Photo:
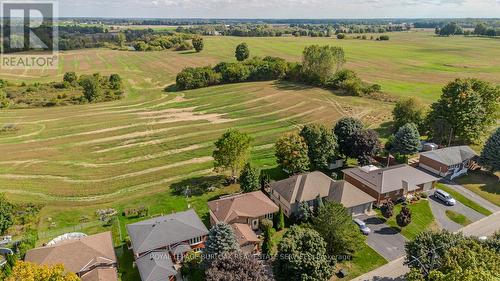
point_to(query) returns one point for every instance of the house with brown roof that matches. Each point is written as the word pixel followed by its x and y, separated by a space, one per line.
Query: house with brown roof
pixel 392 182
pixel 160 244
pixel 92 258
pixel 244 213
pixel 290 192
pixel 448 162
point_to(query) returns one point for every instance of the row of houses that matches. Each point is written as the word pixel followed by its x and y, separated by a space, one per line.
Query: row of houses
pixel 160 244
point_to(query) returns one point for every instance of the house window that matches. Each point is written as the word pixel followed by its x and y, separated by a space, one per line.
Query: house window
pixel 269 216
pixel 195 240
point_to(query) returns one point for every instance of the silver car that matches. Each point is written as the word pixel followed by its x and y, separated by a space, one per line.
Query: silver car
pixel 445 197
pixel 362 226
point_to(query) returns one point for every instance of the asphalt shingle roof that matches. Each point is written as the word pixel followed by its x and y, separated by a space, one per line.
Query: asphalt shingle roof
pixel 155 266
pixel 451 155
pixel 162 231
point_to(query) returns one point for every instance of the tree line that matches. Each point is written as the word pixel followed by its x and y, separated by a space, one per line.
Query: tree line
pixel 321 66
pixel 481 29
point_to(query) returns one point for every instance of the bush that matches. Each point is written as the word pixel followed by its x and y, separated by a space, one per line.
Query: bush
pixel 384 37
pixel 233 72
pixel 341 36
pixel 193 78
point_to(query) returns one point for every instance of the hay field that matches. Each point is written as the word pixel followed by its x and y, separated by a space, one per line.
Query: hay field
pixel 77 159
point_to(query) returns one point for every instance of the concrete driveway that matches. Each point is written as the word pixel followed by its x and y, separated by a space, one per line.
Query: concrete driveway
pixel 384 239
pixel 439 211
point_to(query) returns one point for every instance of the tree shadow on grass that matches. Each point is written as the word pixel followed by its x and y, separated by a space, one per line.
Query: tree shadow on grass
pixel 190 52
pixel 292 86
pixel 488 182
pixel 275 173
pixel 385 129
pixel 171 88
pixel 197 185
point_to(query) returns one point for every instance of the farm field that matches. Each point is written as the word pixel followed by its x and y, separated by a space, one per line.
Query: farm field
pixel 78 159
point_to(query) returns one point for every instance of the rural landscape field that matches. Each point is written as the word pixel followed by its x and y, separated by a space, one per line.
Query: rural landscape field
pixel 123 154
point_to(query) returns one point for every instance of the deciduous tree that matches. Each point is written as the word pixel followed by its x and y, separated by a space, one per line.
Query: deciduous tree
pixel 292 153
pixel 242 52
pixel 365 144
pixel 468 107
pixel 410 110
pixel 320 62
pixel 198 43
pixel 231 152
pixel 335 225
pixel 6 216
pixel 236 266
pixel 344 130
pixel 33 272
pixel 302 256
pixel 321 145
pixel 91 87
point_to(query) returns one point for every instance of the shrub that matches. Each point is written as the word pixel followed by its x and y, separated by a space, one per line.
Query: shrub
pixel 384 37
pixel 193 78
pixel 233 72
pixel 341 36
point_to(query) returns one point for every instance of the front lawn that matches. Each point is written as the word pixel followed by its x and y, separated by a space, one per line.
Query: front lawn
pixel 484 184
pixel 464 200
pixel 458 218
pixel 365 260
pixel 421 219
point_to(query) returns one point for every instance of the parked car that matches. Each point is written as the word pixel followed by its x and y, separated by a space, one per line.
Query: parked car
pixel 362 226
pixel 445 197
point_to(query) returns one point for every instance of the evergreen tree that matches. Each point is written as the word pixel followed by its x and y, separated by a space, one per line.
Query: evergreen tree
pixel 319 204
pixel 279 220
pixel 221 239
pixel 304 212
pixel 267 245
pixel 490 156
pixel 407 140
pixel 249 179
pixel 404 217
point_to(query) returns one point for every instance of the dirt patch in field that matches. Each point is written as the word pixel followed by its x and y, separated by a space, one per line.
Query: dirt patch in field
pixel 183 114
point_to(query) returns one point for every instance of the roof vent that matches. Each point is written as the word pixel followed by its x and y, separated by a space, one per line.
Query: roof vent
pixel 369 168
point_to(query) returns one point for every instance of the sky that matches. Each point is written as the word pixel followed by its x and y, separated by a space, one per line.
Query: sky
pixel 280 8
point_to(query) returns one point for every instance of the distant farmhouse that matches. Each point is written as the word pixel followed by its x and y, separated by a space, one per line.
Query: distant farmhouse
pixel 244 213
pixel 159 244
pixel 449 162
pixel 289 193
pixel 392 182
pixel 92 258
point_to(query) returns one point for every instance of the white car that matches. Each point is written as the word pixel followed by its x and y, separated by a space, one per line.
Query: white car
pixel 362 226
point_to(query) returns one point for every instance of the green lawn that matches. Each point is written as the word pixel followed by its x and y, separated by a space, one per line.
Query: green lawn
pixel 365 260
pixel 464 200
pixel 458 218
pixel 422 219
pixel 484 184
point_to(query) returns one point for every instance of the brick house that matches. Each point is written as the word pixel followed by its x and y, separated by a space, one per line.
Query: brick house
pixel 244 213
pixel 448 162
pixel 391 182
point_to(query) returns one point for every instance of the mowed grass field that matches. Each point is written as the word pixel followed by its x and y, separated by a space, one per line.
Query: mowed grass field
pixel 78 159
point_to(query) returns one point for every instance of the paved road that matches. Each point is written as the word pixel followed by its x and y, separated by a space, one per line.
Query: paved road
pixel 395 270
pixel 384 239
pixel 471 195
pixel 439 211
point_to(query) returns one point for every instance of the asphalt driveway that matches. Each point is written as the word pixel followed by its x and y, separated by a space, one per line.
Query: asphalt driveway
pixel 384 239
pixel 439 211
